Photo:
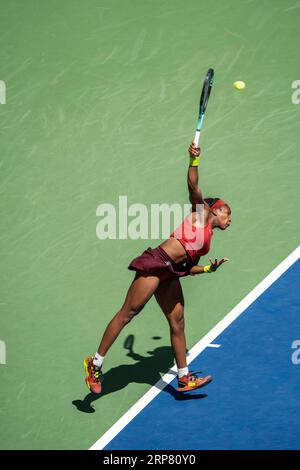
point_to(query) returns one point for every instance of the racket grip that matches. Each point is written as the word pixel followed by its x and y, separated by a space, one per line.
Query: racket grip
pixel 197 138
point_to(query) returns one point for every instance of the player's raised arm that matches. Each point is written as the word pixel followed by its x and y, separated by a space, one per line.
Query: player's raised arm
pixel 195 194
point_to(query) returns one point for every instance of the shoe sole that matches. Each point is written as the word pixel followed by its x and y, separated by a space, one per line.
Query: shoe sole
pixel 86 373
pixel 189 389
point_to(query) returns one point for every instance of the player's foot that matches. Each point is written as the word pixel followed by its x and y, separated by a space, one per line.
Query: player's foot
pixel 191 382
pixel 93 375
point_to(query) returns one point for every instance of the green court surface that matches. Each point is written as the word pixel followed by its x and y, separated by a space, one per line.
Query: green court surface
pixel 101 101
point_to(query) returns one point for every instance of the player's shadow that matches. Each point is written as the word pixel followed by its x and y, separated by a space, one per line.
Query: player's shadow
pixel 145 370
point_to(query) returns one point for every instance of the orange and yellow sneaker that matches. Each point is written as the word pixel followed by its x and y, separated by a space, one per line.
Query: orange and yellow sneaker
pixel 93 375
pixel 192 382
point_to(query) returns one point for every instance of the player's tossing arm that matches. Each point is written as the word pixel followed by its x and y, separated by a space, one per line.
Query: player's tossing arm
pixel 195 194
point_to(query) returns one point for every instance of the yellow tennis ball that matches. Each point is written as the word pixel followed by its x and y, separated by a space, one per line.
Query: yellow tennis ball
pixel 239 85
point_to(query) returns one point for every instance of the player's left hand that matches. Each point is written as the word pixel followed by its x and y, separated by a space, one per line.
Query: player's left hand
pixel 214 265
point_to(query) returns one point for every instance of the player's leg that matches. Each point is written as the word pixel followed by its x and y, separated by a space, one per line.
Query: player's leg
pixel 169 296
pixel 139 292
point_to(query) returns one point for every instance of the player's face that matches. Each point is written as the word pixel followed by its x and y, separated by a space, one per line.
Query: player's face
pixel 224 218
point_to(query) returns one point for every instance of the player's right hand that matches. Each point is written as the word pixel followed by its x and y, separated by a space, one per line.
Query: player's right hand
pixel 193 150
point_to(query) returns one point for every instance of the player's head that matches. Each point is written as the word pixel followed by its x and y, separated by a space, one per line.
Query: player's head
pixel 221 212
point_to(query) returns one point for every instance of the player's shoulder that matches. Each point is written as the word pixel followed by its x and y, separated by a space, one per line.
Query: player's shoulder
pixel 199 216
pixel 200 208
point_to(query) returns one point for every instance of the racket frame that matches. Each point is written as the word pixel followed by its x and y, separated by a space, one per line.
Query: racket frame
pixel 208 82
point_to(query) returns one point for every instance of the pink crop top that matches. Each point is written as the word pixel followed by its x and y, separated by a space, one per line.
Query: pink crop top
pixel 195 240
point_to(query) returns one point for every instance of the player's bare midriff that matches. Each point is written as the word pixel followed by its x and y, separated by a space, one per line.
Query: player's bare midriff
pixel 175 250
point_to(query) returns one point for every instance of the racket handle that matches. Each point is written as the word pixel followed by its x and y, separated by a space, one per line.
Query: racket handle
pixel 197 138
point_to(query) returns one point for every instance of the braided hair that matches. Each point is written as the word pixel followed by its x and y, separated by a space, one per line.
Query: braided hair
pixel 211 200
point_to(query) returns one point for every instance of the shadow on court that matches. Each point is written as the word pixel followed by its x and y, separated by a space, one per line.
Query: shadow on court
pixel 146 370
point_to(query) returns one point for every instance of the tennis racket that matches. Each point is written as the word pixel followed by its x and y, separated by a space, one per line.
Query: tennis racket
pixel 206 89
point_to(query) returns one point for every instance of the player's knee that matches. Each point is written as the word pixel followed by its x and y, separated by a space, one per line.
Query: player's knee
pixel 127 315
pixel 177 323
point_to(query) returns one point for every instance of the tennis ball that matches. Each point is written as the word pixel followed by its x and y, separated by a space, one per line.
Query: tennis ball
pixel 239 85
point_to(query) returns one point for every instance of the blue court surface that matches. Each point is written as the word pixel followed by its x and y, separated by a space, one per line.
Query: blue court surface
pixel 254 400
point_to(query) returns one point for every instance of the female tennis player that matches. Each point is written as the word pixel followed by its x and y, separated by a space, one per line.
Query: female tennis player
pixel 158 272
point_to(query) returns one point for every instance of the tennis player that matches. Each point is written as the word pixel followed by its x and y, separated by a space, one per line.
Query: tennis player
pixel 158 272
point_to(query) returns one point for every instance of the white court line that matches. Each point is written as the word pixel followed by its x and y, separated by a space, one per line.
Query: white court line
pixel 213 345
pixel 197 349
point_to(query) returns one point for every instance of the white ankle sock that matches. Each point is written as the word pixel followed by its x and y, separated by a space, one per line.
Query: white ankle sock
pixel 183 371
pixel 98 360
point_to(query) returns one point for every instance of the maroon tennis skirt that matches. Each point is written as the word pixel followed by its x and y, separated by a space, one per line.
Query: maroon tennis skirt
pixel 156 262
